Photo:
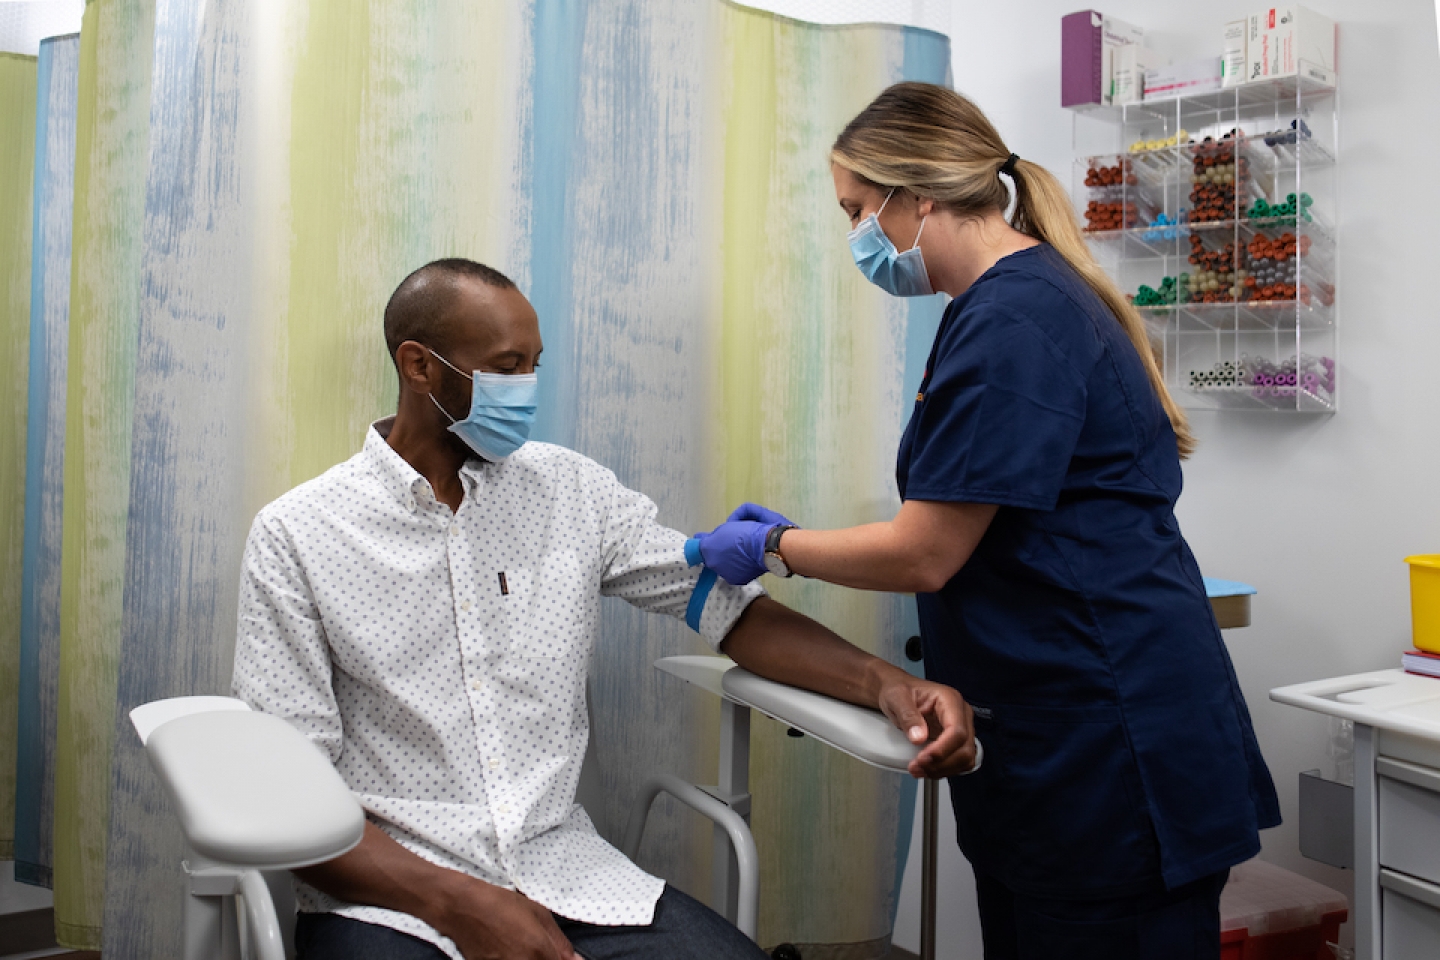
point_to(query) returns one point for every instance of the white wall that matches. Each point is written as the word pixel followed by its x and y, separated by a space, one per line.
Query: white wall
pixel 24 23
pixel 1317 513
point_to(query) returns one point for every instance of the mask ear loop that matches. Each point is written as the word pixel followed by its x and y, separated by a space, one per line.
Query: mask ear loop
pixel 882 205
pixel 917 232
pixel 452 420
pixel 452 366
pixel 916 244
pixel 467 376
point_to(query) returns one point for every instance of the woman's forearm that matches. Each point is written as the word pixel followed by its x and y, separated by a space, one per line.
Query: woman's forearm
pixel 868 557
pixel 917 552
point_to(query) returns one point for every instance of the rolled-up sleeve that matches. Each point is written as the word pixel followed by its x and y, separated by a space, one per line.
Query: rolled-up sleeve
pixel 282 659
pixel 645 565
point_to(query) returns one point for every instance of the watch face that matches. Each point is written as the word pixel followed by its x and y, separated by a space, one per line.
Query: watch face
pixel 776 565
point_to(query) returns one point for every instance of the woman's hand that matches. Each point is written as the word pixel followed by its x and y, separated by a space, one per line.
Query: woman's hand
pixel 753 511
pixel 736 549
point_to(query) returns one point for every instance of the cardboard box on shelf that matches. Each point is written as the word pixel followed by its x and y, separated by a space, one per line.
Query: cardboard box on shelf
pixel 1183 79
pixel 1232 54
pixel 1132 63
pixel 1088 41
pixel 1288 42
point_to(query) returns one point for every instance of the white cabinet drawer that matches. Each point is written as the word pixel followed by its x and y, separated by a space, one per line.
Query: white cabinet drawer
pixel 1409 818
pixel 1410 918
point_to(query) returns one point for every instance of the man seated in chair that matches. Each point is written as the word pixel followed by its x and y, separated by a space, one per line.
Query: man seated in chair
pixel 425 613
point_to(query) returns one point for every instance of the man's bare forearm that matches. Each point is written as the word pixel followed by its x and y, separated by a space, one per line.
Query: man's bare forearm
pixel 381 873
pixel 482 920
pixel 780 644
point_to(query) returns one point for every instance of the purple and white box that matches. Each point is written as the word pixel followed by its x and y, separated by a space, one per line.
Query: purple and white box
pixel 1088 40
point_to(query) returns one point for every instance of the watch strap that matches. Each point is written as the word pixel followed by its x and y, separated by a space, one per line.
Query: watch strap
pixel 774 562
pixel 772 539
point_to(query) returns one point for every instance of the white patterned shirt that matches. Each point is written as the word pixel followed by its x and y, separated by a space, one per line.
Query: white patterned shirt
pixel 440 659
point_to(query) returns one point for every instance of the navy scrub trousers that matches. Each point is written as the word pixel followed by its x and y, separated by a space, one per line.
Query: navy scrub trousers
pixel 1122 774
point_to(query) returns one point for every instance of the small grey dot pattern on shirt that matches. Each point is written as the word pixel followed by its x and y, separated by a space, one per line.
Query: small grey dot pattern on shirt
pixel 450 699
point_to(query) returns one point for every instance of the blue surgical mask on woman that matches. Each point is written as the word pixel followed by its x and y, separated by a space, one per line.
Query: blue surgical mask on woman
pixel 502 408
pixel 898 274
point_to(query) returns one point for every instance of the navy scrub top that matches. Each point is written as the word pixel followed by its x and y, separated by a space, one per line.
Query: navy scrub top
pixel 1119 752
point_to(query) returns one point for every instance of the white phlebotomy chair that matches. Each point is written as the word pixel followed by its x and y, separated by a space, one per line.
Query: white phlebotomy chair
pixel 256 799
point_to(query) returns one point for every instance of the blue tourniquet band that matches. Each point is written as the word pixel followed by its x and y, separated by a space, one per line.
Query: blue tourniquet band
pixel 692 552
pixel 698 598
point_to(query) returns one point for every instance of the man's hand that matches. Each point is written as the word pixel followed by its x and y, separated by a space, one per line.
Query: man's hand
pixel 491 923
pixel 933 714
pixel 485 921
pixel 777 643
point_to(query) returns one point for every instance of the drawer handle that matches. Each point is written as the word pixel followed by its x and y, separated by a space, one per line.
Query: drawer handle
pixel 1425 778
pixel 1406 886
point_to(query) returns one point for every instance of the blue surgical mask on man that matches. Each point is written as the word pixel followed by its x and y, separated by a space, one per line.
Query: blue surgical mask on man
pixel 502 409
pixel 898 274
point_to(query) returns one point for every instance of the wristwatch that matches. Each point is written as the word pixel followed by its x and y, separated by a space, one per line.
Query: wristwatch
pixel 773 561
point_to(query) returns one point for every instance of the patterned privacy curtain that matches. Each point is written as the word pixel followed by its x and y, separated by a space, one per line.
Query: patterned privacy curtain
pixel 17 159
pixel 252 178
pixel 44 460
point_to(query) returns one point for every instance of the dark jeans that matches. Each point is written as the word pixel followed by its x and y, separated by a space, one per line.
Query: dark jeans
pixel 683 929
pixel 1179 924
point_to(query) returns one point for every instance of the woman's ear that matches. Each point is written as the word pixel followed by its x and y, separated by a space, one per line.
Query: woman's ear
pixel 924 206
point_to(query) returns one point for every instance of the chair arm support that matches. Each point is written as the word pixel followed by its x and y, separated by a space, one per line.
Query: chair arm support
pixel 266 940
pixel 746 858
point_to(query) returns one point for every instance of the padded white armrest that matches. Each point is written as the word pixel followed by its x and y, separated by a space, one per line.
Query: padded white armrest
pixel 146 717
pixel 863 733
pixel 251 791
pixel 705 672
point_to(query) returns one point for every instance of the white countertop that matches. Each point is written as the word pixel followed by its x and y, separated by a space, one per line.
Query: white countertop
pixel 1385 699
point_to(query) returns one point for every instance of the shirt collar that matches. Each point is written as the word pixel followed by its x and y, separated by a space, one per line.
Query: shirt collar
pixel 402 480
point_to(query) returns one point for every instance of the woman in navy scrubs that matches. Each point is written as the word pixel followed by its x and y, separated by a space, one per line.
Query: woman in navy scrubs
pixel 1038 477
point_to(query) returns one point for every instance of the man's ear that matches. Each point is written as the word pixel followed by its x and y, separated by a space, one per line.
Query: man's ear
pixel 416 371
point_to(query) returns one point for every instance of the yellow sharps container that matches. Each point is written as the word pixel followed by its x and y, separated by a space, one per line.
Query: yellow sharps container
pixel 1425 600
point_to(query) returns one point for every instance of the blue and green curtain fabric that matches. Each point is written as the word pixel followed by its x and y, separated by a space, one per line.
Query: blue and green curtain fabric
pixel 18 77
pixel 248 181
pixel 44 458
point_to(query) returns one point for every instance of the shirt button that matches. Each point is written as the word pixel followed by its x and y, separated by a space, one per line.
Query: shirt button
pixel 494 763
pixel 502 810
pixel 476 684
pixel 454 531
pixel 465 605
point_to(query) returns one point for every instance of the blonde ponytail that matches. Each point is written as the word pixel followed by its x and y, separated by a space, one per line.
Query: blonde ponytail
pixel 1043 211
pixel 937 144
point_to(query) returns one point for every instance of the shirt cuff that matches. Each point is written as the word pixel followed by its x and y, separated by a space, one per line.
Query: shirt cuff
pixel 722 607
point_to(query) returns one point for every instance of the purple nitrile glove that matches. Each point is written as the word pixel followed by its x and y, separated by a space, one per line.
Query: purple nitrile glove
pixel 735 550
pixel 753 511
